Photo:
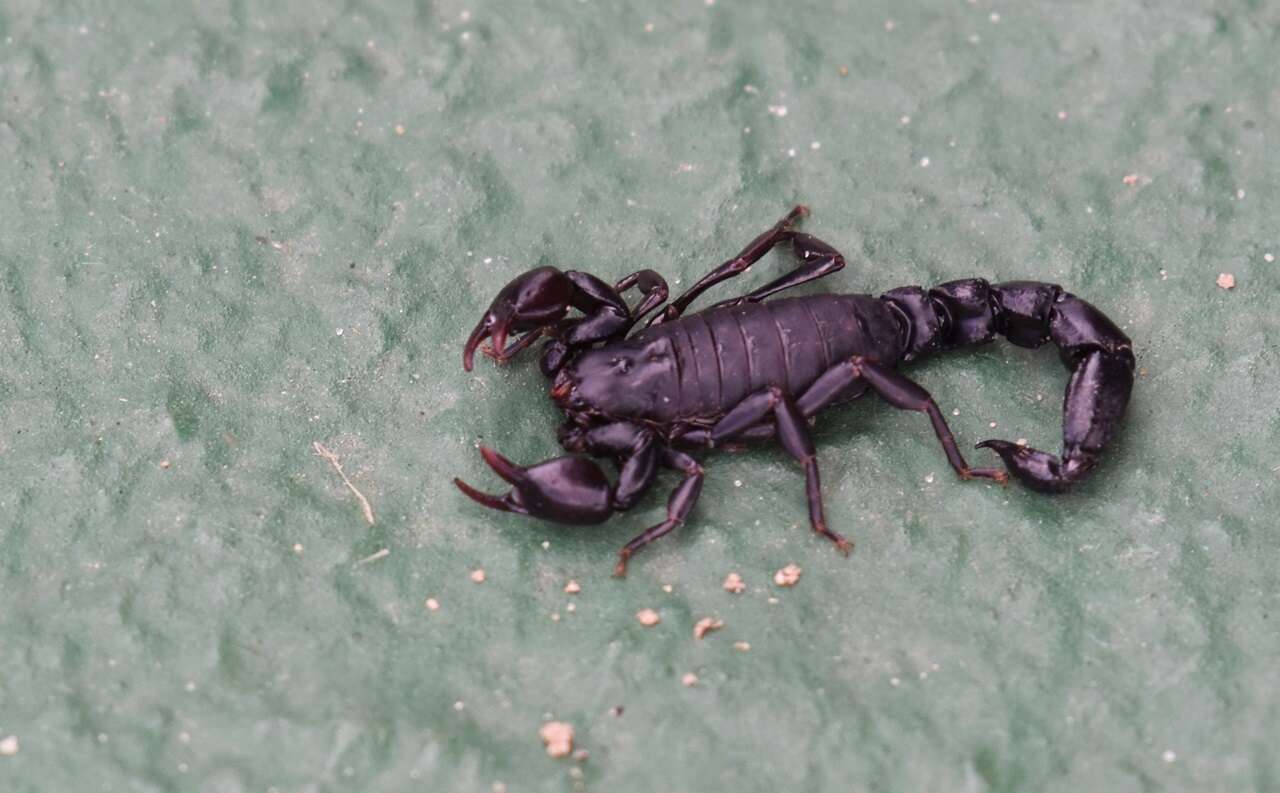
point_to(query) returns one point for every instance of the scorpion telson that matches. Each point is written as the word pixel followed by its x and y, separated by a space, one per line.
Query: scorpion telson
pixel 750 370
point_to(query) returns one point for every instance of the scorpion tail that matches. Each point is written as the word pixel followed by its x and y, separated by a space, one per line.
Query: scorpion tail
pixel 1100 358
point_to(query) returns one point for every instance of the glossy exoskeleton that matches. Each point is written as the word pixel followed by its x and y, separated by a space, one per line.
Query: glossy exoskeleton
pixel 748 370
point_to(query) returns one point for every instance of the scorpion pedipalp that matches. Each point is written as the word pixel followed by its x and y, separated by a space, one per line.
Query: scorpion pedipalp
pixel 564 489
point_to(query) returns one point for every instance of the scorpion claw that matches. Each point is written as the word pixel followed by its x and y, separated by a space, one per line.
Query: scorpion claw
pixel 534 300
pixel 564 489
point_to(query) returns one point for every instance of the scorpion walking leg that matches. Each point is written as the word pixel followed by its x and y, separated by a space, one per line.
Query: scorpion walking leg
pixel 793 433
pixel 678 506
pixel 902 392
pixel 751 254
pixel 817 259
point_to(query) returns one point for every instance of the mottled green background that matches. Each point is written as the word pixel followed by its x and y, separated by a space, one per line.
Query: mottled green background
pixel 228 230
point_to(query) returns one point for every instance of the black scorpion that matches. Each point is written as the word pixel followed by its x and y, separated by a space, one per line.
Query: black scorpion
pixel 747 370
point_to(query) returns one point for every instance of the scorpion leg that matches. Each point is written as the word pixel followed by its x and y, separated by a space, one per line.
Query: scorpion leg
pixel 900 391
pixel 793 433
pixel 749 255
pixel 817 259
pixel 678 506
pixel 652 285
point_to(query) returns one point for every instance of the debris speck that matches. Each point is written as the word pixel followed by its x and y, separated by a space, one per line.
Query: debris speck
pixel 1169 756
pixel 787 576
pixel 477 575
pixel 690 680
pixel 459 706
pixel 750 89
pixel 558 737
pixel 1164 275
pixel 791 152
pixel 365 506
pixel 9 746
pixel 433 604
pixel 648 27
pixel 895 682
pixel 737 483
pixel 742 647
pixel 571 607
pixel 1240 194
pixel 889 25
pixel 992 425
pixel 616 711
pixel 555 617
pixel 382 553
pixel 546 545
pixel 995 18
pixel 297 547
pixel 164 464
pixel 844 71
pixel 648 617
pixel 1020 442
pixel 706 625
pixel 1226 281
pixel 778 110
pixel 1130 179
pixel 815 146
pixel 667 588
pixel 773 601
pixel 905 120
pixel 928 479
pixel 924 162
pixel 399 129
pixel 1062 115
pixel 733 583
pixel 1268 258
pixel 684 167
pixel 974 38
pixel 572 588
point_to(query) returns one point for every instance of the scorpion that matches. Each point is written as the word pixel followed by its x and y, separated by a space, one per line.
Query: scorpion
pixel 747 370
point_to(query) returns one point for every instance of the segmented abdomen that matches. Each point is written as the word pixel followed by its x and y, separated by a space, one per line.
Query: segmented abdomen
pixel 722 355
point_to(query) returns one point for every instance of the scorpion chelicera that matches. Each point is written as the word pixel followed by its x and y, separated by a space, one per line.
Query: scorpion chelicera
pixel 748 370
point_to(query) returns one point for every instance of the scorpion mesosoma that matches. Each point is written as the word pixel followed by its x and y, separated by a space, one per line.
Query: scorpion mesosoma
pixel 749 370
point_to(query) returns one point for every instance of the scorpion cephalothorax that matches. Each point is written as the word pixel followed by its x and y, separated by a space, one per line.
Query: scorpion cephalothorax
pixel 746 369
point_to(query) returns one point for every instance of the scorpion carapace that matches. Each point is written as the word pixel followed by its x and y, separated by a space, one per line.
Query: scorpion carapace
pixel 748 370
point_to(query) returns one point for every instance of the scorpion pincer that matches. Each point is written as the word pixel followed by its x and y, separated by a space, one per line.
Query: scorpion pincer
pixel 747 369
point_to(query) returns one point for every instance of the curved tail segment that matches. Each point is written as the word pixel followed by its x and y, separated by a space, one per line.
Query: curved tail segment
pixel 1101 361
pixel 1030 313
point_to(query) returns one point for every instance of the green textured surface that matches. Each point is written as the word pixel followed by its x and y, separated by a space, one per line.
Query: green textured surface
pixel 195 200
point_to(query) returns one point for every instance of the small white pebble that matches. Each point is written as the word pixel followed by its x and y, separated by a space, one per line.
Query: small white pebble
pixel 191 685
pixel 893 681
pixel 1227 281
pixel 339 331
pixel 1268 258
pixel 778 110
pixel 995 18
pixel 904 120
pixel 1130 179
pixel 399 129
pixel 1169 755
pixel 690 680
pixel 459 705
pixel 546 544
pixel 297 547
pixel 648 617
pixel 992 425
pixel 815 146
pixel 465 16
pixel 1062 115
pixel 956 412
pixel 572 588
pixel 667 588
pixel 555 617
pixel 572 607
pixel 477 575
pixel 742 647
pixel 889 25
pixel 1239 194
pixel 433 604
pixel 1164 275
pixel 924 162
pixel 929 479
pixel 737 483
pixel 791 152
pixel 974 38
pixel 774 601
pixel 9 746
pixel 648 27
pixel 1021 442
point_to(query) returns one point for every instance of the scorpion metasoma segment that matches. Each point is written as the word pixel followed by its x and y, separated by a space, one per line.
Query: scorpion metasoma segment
pixel 748 370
